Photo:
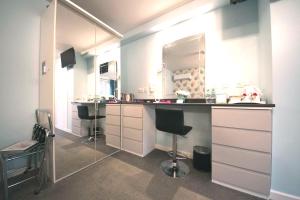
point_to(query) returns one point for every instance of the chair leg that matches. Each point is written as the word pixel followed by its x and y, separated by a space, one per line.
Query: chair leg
pixel 4 177
pixel 174 155
pixel 91 137
pixel 174 167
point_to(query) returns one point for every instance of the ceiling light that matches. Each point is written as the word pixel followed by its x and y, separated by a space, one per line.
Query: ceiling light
pixel 104 25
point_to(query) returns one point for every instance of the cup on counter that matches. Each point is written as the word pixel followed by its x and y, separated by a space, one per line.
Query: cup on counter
pixel 127 97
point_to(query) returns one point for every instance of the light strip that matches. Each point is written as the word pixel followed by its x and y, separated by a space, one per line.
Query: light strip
pixel 94 18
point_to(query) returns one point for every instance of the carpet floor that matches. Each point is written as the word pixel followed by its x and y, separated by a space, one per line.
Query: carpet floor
pixel 124 176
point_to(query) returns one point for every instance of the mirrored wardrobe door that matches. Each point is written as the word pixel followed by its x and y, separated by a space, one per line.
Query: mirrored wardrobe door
pixel 74 92
pixel 108 122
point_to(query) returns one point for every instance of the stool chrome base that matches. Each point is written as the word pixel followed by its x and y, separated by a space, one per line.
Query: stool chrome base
pixel 180 169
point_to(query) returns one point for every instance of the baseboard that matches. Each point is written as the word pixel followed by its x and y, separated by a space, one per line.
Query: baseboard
pixel 276 195
pixel 181 153
pixel 240 189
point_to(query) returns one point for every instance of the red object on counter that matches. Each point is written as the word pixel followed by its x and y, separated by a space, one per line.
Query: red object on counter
pixel 165 101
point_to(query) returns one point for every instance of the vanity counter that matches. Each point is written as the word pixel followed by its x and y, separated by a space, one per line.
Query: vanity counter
pixel 200 104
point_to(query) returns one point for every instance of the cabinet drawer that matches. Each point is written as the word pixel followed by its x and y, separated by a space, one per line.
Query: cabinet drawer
pixel 245 139
pixel 113 140
pixel 75 115
pixel 74 107
pixel 113 110
pixel 80 131
pixel 255 182
pixel 132 146
pixel 132 110
pixel 76 130
pixel 242 118
pixel 255 161
pixel 76 122
pixel 113 120
pixel 133 134
pixel 132 122
pixel 112 130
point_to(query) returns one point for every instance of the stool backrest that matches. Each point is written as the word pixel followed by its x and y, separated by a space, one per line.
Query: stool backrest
pixel 83 112
pixel 171 121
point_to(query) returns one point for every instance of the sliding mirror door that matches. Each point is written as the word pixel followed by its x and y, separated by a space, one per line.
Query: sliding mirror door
pixel 106 68
pixel 87 77
pixel 74 92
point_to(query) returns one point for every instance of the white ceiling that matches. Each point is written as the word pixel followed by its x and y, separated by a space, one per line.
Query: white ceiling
pixel 124 15
pixel 74 30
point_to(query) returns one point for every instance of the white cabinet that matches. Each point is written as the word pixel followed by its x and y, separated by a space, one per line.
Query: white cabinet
pixel 113 125
pixel 79 127
pixel 138 129
pixel 241 148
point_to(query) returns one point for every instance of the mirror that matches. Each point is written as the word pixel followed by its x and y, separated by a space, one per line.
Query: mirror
pixel 73 151
pixel 107 61
pixel 184 67
pixel 82 47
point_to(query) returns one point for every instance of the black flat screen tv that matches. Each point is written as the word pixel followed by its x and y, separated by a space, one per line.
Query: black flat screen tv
pixel 68 58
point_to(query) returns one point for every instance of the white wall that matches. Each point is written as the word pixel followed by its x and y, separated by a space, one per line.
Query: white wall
pixel 285 18
pixel 265 49
pixel 19 72
pixel 232 55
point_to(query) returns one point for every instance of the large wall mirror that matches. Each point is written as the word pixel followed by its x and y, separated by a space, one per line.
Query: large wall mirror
pixel 87 58
pixel 184 67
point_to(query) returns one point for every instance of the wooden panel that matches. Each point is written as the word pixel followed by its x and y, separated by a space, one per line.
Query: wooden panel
pixel 113 110
pixel 243 118
pixel 113 140
pixel 133 146
pixel 132 122
pixel 113 130
pixel 255 182
pixel 251 160
pixel 246 139
pixel 113 120
pixel 133 134
pixel 132 110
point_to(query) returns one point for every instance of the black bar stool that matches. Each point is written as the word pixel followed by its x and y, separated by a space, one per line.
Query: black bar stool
pixel 172 121
pixel 83 113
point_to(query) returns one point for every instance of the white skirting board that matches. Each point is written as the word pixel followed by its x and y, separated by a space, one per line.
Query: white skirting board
pixel 276 195
pixel 240 189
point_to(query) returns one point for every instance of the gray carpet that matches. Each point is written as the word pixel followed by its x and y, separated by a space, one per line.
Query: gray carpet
pixel 73 153
pixel 128 177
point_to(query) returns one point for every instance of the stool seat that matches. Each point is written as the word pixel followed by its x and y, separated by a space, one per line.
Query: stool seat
pixel 186 129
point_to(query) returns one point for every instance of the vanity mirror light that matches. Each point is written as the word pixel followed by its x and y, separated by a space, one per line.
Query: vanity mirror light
pixel 184 67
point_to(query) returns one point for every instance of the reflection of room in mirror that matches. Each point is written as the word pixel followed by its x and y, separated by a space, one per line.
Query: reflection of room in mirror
pixel 79 122
pixel 194 83
pixel 184 62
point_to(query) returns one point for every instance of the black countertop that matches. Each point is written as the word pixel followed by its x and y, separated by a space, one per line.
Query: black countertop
pixel 199 104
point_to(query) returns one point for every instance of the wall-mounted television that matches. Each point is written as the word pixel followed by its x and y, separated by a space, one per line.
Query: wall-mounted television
pixel 68 58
